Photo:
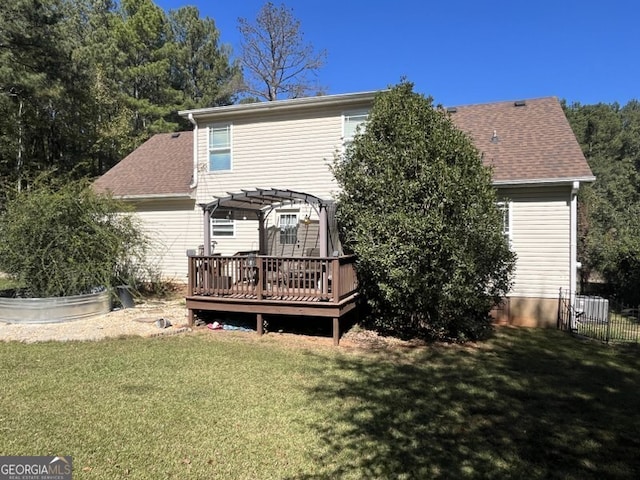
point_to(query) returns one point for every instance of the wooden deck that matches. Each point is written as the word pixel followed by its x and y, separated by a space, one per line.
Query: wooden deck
pixel 268 285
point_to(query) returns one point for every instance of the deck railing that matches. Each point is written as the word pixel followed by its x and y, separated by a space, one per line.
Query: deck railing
pixel 271 277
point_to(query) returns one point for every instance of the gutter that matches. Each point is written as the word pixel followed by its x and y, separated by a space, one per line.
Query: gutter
pixel 155 196
pixel 343 100
pixel 194 179
pixel 540 182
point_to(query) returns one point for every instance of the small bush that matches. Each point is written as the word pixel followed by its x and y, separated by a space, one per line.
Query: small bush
pixel 61 240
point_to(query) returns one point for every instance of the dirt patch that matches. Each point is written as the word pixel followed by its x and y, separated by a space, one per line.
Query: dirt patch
pixel 148 318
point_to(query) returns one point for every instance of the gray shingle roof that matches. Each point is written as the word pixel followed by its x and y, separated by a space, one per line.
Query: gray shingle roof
pixel 532 142
pixel 163 165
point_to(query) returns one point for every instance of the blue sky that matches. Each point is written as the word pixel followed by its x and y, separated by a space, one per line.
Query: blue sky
pixel 464 51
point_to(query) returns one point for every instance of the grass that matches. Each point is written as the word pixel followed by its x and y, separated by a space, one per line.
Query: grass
pixel 620 328
pixel 527 404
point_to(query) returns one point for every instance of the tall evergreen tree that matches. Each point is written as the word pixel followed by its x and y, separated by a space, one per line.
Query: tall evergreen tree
pixel 34 74
pixel 144 66
pixel 84 82
pixel 200 67
pixel 610 208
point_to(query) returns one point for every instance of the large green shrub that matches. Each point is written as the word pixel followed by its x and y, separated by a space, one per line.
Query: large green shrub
pixel 60 240
pixel 419 210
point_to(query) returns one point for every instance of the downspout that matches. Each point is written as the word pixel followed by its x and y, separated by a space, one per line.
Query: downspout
pixel 194 180
pixel 573 247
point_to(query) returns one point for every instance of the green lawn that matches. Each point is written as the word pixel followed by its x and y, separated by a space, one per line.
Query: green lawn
pixel 527 404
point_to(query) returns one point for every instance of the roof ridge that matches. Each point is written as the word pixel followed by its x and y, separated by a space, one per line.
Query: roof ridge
pixel 500 102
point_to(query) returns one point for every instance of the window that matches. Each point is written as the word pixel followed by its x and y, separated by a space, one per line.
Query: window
pixel 288 228
pixel 505 208
pixel 223 227
pixel 220 147
pixel 351 122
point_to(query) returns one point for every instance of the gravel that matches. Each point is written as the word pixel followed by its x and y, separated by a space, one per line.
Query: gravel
pixel 138 321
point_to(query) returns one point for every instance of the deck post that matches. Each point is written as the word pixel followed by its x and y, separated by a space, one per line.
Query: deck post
pixel 336 331
pixel 336 284
pixel 191 317
pixel 259 324
pixel 260 281
pixel 191 275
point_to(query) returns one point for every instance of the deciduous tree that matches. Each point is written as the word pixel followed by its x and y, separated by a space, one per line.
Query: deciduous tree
pixel 275 57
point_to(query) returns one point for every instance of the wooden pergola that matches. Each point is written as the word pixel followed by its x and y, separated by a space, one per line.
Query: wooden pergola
pixel 324 286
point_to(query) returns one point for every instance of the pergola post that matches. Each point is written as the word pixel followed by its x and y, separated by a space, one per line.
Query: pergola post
pixel 262 237
pixel 324 243
pixel 324 231
pixel 207 232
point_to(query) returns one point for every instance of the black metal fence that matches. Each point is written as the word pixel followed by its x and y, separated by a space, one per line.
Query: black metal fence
pixel 598 317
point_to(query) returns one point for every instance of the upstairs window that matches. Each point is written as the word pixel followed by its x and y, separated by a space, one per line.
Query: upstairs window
pixel 351 122
pixel 220 147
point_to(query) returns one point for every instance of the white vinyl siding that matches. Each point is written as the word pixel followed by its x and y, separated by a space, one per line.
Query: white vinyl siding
pixel 295 151
pixel 173 228
pixel 540 237
pixel 291 151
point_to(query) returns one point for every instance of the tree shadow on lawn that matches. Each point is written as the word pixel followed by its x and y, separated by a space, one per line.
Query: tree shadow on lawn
pixel 527 404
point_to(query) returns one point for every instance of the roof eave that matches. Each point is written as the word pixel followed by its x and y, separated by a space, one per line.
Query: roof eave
pixel 156 196
pixel 281 105
pixel 540 182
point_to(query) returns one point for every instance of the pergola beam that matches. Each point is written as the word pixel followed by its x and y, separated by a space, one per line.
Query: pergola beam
pixel 261 201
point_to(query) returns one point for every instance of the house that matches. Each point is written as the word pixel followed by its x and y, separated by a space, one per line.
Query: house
pixel 255 179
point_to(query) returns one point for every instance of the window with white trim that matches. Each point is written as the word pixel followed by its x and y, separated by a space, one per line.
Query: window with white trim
pixel 288 223
pixel 220 147
pixel 351 122
pixel 505 208
pixel 223 227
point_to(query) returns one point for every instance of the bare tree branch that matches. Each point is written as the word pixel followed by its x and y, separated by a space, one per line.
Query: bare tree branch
pixel 275 58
